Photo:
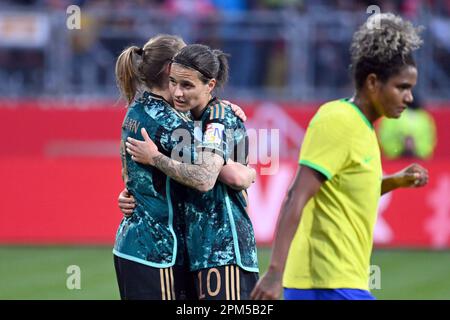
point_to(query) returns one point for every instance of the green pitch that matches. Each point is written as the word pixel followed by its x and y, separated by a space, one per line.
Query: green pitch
pixel 40 273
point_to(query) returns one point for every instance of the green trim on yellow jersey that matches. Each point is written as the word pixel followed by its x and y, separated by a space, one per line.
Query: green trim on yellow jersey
pixel 322 170
pixel 333 242
pixel 359 112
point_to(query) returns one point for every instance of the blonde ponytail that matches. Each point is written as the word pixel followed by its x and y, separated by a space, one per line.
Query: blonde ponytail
pixel 127 72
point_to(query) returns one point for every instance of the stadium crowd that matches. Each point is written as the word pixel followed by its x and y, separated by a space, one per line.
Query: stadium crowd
pixel 258 59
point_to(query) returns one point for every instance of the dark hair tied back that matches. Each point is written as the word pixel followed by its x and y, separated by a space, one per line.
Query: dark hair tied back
pixel 209 63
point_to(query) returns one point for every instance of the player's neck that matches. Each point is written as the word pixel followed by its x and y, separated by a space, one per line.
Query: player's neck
pixel 198 111
pixel 366 107
pixel 165 93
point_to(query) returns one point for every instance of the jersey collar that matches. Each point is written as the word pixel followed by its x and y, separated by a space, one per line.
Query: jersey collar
pixel 358 110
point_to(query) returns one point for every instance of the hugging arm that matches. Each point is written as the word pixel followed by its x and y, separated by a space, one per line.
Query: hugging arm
pixel 201 176
pixel 237 176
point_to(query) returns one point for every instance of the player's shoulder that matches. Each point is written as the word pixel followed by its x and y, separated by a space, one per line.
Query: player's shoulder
pixel 216 110
pixel 221 112
pixel 336 109
pixel 152 104
pixel 160 110
pixel 334 113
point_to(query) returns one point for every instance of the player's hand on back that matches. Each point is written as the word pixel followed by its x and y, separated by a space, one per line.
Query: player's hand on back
pixel 142 151
pixel 236 109
pixel 412 176
pixel 127 203
pixel 268 287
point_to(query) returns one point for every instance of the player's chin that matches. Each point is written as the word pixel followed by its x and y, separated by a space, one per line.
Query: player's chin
pixel 183 107
pixel 394 114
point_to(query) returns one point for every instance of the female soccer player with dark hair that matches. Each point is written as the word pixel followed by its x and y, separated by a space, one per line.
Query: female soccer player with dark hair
pixel 149 251
pixel 323 240
pixel 219 234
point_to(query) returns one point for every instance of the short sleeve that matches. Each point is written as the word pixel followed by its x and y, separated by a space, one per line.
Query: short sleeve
pixel 326 146
pixel 215 132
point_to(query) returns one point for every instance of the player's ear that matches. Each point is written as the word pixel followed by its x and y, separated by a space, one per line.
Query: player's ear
pixel 372 82
pixel 211 85
pixel 168 67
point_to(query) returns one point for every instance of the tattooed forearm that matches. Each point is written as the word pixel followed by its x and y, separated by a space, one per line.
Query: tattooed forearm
pixel 201 176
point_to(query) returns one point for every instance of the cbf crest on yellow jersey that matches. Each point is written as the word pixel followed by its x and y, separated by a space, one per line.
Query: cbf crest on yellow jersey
pixel 332 245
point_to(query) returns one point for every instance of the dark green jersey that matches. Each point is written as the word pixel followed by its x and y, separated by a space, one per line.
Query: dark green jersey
pixel 152 235
pixel 218 229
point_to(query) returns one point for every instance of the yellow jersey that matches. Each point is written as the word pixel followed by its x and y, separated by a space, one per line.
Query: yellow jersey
pixel 333 243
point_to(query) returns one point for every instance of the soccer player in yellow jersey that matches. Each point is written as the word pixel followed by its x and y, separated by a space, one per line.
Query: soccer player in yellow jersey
pixel 323 240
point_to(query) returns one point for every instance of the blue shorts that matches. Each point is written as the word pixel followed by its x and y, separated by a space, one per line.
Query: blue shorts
pixel 327 294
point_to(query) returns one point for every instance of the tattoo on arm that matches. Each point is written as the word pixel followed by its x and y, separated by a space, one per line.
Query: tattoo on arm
pixel 201 176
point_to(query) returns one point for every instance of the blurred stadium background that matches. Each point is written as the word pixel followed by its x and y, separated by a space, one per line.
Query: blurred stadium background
pixel 61 118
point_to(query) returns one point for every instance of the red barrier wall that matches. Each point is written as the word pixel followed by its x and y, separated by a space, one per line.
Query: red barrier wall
pixel 61 174
pixel 415 217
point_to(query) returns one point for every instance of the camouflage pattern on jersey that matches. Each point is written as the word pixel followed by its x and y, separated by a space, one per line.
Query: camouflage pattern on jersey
pixel 218 229
pixel 152 235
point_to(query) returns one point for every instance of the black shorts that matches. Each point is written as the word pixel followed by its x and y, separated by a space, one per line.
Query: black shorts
pixel 224 283
pixel 140 282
